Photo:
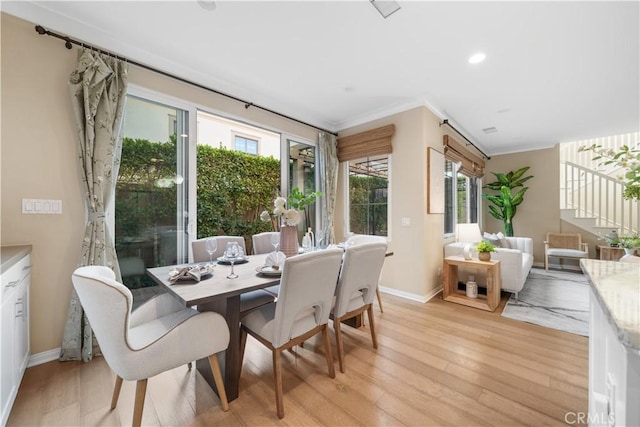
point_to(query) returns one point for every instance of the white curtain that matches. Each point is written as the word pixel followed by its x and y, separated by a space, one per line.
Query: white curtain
pixel 98 88
pixel 328 164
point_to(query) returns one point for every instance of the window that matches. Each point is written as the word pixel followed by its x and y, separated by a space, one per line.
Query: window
pixel 461 197
pixel 368 195
pixel 245 145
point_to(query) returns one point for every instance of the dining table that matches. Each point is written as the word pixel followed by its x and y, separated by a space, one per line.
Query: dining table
pixel 217 293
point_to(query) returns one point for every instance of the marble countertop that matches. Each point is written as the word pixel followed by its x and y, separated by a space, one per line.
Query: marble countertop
pixel 617 288
pixel 12 254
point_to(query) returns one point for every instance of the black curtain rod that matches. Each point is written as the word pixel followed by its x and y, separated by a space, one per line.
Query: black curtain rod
pixel 69 42
pixel 446 122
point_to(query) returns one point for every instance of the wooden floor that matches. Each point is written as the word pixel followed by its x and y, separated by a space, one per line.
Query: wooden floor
pixel 437 363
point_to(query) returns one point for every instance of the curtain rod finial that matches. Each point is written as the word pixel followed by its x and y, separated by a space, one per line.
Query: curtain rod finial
pixel 40 29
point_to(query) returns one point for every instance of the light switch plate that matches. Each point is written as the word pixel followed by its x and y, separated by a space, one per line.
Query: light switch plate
pixel 406 221
pixel 42 206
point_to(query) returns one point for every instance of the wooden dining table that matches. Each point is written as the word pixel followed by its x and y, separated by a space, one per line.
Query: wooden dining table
pixel 222 295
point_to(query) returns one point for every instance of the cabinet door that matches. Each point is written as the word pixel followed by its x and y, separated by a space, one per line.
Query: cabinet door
pixel 7 371
pixel 21 328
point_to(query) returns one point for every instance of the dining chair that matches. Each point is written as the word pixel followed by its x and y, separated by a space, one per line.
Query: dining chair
pixel 356 288
pixel 360 239
pixel 301 311
pixel 160 335
pixel 262 242
pixel 248 300
pixel 262 245
pixel 199 249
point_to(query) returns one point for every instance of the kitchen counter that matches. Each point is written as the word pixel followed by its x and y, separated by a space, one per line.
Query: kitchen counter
pixel 12 254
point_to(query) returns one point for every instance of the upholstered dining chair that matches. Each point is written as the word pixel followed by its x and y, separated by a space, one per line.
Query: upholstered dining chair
pixel 248 300
pixel 160 335
pixel 361 267
pixel 199 247
pixel 360 239
pixel 301 311
pixel 262 245
pixel 262 242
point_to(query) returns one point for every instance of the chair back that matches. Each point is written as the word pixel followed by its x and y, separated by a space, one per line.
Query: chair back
pixel 564 240
pixel 107 305
pixel 360 239
pixel 262 242
pixel 307 286
pixel 359 277
pixel 199 247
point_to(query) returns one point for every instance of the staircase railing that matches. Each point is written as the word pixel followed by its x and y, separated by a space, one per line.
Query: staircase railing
pixel 599 196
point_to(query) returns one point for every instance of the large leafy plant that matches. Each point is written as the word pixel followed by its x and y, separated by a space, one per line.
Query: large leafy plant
pixel 505 202
pixel 626 158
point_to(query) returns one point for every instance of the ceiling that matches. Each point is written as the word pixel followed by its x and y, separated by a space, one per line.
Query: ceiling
pixel 554 71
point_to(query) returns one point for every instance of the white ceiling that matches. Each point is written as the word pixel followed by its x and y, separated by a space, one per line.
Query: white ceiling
pixel 555 71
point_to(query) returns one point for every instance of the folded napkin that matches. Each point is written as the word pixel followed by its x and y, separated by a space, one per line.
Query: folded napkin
pixel 275 260
pixel 189 273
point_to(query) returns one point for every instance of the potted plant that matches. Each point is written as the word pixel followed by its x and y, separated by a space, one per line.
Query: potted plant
pixel 629 244
pixel 505 202
pixel 484 249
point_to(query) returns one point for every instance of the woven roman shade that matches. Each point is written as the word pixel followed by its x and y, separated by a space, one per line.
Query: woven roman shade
pixel 366 144
pixel 470 164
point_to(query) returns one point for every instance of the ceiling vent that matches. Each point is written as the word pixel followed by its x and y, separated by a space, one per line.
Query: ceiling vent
pixel 492 129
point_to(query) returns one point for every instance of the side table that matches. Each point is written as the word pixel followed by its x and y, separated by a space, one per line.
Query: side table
pixel 610 253
pixel 450 282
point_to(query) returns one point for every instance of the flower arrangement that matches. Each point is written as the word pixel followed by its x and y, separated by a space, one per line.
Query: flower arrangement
pixel 629 242
pixel 281 215
pixel 297 203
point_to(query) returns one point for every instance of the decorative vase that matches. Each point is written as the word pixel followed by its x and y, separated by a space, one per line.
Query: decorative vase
pixel 628 251
pixel 484 256
pixel 289 240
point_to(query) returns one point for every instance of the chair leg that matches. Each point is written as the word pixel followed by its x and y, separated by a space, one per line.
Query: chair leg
pixel 327 351
pixel 379 300
pixel 217 377
pixel 546 263
pixel 277 374
pixel 141 389
pixel 339 343
pixel 372 326
pixel 116 392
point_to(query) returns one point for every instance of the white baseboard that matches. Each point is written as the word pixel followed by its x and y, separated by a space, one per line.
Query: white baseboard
pixel 410 296
pixel 44 357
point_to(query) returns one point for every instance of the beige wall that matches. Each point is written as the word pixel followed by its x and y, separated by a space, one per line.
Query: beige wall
pixel 538 213
pixel 415 267
pixel 39 160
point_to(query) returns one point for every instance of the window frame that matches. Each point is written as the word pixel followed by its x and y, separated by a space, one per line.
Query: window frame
pixel 451 212
pixel 347 202
pixel 247 138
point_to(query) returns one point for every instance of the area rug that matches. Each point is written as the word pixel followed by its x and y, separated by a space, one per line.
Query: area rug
pixel 555 299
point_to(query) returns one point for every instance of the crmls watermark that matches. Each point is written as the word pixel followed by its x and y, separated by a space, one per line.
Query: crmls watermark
pixel 591 419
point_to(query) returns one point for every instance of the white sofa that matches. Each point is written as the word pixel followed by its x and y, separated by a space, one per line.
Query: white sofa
pixel 515 262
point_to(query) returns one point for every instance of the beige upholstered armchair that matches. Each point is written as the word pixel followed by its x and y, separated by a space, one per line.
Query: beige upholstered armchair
pixel 564 245
pixel 160 335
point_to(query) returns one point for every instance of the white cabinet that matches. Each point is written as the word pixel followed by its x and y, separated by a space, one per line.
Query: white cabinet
pixel 14 341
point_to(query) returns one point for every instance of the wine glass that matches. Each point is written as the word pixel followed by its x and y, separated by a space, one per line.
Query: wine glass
pixel 275 241
pixel 211 245
pixel 231 253
pixel 319 237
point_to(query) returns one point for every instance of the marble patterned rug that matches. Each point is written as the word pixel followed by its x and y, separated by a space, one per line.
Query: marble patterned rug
pixel 555 299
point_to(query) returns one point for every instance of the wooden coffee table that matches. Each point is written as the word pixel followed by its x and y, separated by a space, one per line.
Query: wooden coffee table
pixel 451 292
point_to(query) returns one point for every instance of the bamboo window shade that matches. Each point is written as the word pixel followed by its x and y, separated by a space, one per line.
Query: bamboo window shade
pixel 366 144
pixel 470 164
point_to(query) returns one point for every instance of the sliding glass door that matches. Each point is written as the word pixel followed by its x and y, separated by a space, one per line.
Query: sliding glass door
pixel 151 200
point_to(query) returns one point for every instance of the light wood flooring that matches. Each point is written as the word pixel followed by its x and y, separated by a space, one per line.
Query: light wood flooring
pixel 437 363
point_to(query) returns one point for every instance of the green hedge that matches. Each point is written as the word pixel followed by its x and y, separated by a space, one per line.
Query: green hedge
pixel 232 189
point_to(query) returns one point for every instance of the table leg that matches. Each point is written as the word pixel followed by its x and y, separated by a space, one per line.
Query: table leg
pixel 231 365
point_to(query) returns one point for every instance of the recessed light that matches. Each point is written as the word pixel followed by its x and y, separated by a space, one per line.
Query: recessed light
pixel 477 58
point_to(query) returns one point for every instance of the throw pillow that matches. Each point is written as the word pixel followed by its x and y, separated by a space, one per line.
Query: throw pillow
pixel 503 240
pixel 497 240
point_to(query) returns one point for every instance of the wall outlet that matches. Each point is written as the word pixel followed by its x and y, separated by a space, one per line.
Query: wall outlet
pixel 406 221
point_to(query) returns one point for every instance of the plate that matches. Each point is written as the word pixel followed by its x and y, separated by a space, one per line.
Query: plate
pixel 267 270
pixel 225 261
